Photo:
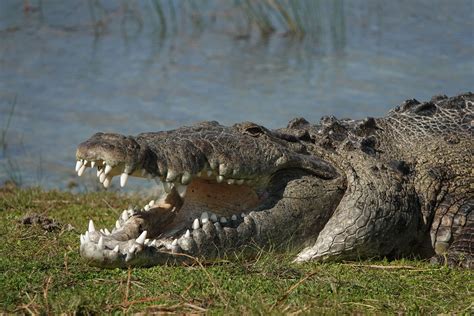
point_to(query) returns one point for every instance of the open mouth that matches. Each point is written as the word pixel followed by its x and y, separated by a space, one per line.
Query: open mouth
pixel 190 212
pixel 219 188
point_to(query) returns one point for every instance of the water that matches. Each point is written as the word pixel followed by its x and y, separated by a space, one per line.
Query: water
pixel 72 78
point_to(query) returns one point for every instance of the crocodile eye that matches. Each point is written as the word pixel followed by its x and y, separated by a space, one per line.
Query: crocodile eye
pixel 254 130
pixel 251 129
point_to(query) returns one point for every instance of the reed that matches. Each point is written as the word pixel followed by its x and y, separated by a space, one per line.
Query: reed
pixel 284 17
pixel 4 131
pixel 10 166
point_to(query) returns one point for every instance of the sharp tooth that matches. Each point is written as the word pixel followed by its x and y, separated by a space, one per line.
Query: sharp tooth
pixel 81 170
pixel 153 243
pixel 92 164
pixel 141 239
pixel 186 178
pixel 87 237
pixel 100 244
pixel 222 169
pixel 132 249
pixel 167 186
pixel 78 165
pixel 107 232
pixel 117 224
pixel 196 224
pixel 152 202
pixel 102 176
pixel 230 181
pixel 204 218
pixel 213 164
pixel 214 218
pixel 219 179
pixel 181 188
pixel 234 217
pixel 91 227
pixel 116 249
pixel 147 241
pixel 147 207
pixel 124 215
pixel 102 231
pixel 187 234
pixel 99 172
pixel 240 181
pixel 107 181
pixel 223 220
pixel 82 239
pixel 108 168
pixel 175 242
pixel 209 173
pixel 123 179
pixel 171 175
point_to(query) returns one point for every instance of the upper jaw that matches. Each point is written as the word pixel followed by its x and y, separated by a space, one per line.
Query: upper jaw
pixel 115 154
pixel 225 154
pixel 112 154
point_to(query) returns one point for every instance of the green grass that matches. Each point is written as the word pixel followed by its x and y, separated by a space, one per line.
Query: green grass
pixel 42 272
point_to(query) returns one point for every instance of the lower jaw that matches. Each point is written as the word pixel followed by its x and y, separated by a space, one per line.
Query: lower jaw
pixel 170 230
pixel 206 239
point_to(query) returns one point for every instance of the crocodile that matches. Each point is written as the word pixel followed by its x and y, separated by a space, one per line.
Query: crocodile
pixel 390 187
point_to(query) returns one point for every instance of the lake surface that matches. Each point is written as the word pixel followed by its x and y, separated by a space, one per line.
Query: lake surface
pixel 71 68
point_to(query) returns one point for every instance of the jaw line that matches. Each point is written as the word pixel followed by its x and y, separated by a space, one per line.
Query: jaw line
pixel 169 222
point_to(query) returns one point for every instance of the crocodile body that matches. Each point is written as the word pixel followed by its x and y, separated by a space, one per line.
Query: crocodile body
pixel 400 185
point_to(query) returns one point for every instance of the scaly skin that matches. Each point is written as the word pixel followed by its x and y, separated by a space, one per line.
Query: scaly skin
pixel 401 185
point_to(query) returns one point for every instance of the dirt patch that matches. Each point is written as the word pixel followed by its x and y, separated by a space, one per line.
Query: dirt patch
pixel 46 223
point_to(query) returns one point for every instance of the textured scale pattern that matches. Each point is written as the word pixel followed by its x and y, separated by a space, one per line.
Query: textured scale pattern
pixel 400 185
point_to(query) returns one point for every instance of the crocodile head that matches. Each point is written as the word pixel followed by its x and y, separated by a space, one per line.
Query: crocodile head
pixel 219 189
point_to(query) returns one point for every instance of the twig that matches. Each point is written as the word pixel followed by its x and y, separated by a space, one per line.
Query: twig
pixel 141 300
pixel 108 204
pixel 174 308
pixel 65 263
pixel 198 308
pixel 207 274
pixel 186 290
pixel 360 304
pixel 292 288
pixel 45 294
pixel 380 267
pixel 127 287
pixel 27 306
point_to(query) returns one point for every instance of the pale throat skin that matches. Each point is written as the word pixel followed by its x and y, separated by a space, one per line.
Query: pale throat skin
pixel 397 186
